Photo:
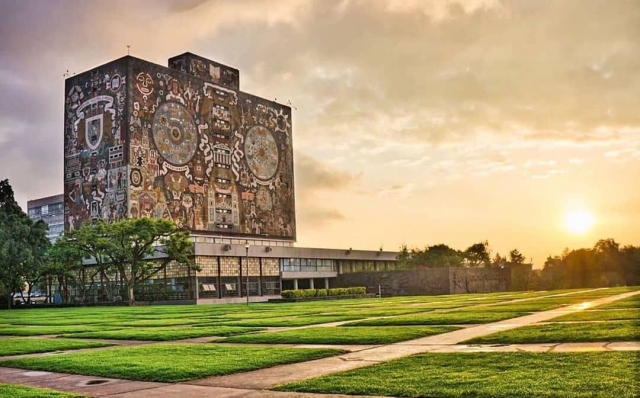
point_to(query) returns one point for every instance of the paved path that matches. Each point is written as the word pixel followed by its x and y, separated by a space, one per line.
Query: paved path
pixel 252 384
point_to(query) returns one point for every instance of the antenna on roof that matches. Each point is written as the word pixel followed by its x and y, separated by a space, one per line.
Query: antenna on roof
pixel 128 48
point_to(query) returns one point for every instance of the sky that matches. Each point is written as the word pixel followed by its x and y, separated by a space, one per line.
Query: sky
pixel 415 122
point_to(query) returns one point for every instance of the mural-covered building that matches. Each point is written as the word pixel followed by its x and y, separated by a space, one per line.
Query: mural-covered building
pixel 181 143
pixel 185 144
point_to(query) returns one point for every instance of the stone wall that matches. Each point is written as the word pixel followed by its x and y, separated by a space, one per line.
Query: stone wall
pixel 428 281
pixel 479 280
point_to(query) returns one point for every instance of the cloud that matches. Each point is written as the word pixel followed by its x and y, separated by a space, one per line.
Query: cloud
pixel 396 190
pixel 318 216
pixel 312 174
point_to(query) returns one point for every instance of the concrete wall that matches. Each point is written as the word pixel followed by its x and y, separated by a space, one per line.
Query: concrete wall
pixel 428 281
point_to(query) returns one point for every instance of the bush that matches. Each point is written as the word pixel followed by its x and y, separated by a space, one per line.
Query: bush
pixel 356 290
pixel 336 291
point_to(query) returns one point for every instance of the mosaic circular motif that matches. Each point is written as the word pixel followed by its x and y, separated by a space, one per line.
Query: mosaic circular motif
pixel 261 151
pixel 136 178
pixel 263 198
pixel 174 133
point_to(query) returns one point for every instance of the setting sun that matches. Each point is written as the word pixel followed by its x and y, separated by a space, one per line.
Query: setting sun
pixel 578 221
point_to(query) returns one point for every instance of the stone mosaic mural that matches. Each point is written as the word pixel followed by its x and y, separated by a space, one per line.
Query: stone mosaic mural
pixel 201 153
pixel 95 171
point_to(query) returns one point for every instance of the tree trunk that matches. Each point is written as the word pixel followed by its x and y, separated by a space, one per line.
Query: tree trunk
pixel 132 300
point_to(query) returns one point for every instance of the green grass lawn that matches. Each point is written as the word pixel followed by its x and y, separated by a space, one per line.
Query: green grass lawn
pixel 601 315
pixel 293 321
pixel 629 302
pixel 16 391
pixel 565 333
pixel 156 322
pixel 440 318
pixel 488 375
pixel 10 330
pixel 164 334
pixel 23 345
pixel 67 321
pixel 528 306
pixel 170 362
pixel 341 335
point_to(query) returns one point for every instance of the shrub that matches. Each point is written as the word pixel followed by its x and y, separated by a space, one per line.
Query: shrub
pixel 356 290
pixel 336 291
pixel 287 293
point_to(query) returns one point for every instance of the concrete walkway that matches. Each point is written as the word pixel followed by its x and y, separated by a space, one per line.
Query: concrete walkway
pixel 253 384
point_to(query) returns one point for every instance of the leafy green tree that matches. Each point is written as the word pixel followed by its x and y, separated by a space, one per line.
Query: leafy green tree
pixel 141 248
pixel 33 271
pixel 442 255
pixel 23 244
pixel 65 262
pixel 478 255
pixel 94 241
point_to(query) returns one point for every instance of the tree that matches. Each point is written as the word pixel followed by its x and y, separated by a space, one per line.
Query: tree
pixel 141 248
pixel 33 271
pixel 65 260
pixel 442 255
pixel 23 244
pixel 8 203
pixel 478 255
pixel 498 261
pixel 93 240
pixel 516 258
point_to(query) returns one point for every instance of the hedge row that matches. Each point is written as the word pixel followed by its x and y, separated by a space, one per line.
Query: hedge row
pixel 336 291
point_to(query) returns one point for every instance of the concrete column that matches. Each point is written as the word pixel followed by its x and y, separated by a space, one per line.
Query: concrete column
pixel 376 266
pixel 219 279
pixel 311 284
pixel 196 287
pixel 260 279
pixel 326 283
pixel 295 284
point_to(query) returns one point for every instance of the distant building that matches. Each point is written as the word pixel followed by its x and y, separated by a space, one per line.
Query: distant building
pixel 51 211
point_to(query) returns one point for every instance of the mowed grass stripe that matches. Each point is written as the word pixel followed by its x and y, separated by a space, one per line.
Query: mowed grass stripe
pixel 165 334
pixel 9 330
pixel 601 315
pixel 488 375
pixel 565 333
pixel 341 335
pixel 23 345
pixel 170 362
pixel 17 391
pixel 440 318
pixel 293 321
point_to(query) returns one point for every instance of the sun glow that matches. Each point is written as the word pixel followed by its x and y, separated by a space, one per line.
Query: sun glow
pixel 578 221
